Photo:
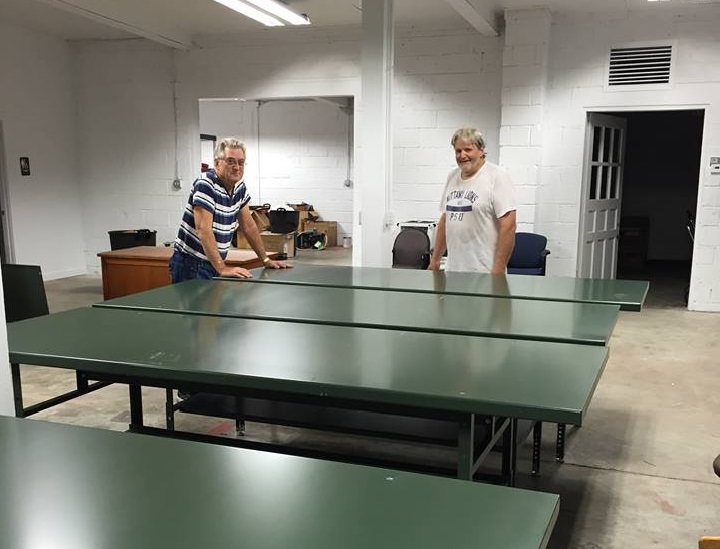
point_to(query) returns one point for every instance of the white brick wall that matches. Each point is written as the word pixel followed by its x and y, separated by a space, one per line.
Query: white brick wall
pixel 37 112
pixel 126 141
pixel 579 46
pixel 524 80
pixel 446 78
pixel 302 153
pixel 444 81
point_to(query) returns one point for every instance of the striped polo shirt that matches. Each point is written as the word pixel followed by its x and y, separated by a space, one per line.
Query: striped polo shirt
pixel 209 193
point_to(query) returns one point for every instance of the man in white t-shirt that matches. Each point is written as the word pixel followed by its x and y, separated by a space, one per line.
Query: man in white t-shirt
pixel 477 225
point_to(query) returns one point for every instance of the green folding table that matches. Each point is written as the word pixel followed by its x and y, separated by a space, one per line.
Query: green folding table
pixel 585 323
pixel 568 322
pixel 413 374
pixel 628 294
pixel 75 487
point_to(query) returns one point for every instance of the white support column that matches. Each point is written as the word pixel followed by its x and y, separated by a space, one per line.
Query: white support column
pixel 525 76
pixel 7 406
pixel 374 185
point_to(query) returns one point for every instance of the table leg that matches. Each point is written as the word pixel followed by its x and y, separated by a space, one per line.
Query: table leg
pixel 81 381
pixel 466 447
pixel 560 445
pixel 509 458
pixel 537 440
pixel 239 415
pixel 169 410
pixel 136 406
pixel 17 389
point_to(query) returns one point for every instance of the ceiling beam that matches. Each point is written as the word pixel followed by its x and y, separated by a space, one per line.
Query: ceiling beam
pixel 118 15
pixel 478 14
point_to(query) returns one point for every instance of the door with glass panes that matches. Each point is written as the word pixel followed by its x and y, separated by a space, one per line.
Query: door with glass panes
pixel 601 196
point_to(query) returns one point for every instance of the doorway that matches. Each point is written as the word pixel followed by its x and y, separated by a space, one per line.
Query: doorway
pixel 299 150
pixel 659 201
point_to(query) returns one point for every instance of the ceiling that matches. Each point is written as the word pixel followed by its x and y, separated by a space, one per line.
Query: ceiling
pixel 176 22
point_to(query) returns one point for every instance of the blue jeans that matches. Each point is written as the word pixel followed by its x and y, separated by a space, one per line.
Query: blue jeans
pixel 187 267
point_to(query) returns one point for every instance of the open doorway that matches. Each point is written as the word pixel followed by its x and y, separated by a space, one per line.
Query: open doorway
pixel 659 199
pixel 298 150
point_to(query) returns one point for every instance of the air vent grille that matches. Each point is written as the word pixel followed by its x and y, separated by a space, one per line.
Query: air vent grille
pixel 640 65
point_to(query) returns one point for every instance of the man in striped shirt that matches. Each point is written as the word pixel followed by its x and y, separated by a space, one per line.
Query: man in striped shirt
pixel 217 205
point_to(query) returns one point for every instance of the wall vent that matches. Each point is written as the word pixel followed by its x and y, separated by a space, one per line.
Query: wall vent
pixel 643 65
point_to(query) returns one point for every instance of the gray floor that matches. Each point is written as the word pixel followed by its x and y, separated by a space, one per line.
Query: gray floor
pixel 637 474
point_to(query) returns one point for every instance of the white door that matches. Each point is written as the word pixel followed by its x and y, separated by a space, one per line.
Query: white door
pixel 601 194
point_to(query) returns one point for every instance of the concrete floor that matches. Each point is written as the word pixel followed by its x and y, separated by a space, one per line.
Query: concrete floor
pixel 637 474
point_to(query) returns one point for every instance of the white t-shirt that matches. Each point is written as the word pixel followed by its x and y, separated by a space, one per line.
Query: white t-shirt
pixel 472 208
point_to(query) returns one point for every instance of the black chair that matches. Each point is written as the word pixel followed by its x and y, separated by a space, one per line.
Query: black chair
pixel 24 292
pixel 529 255
pixel 411 249
pixel 25 298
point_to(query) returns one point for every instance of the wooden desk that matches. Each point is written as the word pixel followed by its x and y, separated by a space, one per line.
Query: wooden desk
pixel 134 270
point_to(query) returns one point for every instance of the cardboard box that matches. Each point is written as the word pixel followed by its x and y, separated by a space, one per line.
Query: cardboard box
pixel 273 242
pixel 305 216
pixel 260 219
pixel 307 213
pixel 327 227
pixel 302 207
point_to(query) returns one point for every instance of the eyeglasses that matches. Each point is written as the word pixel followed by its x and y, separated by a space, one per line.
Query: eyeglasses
pixel 234 162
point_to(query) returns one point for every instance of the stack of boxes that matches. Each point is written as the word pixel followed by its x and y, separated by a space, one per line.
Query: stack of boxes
pixel 309 219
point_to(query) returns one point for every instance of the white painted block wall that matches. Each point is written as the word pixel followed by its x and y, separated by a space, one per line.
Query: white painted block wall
pixel 579 48
pixel 444 79
pixel 299 153
pixel 38 115
pixel 127 141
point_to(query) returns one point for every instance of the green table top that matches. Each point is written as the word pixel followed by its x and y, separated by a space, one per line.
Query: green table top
pixel 586 323
pixel 74 487
pixel 628 294
pixel 534 380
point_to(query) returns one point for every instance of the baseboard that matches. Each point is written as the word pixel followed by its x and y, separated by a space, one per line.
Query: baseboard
pixel 54 275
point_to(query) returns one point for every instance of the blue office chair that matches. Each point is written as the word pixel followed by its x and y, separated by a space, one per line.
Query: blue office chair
pixel 529 255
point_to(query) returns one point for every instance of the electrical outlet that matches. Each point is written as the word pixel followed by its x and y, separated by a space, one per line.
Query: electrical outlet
pixel 177 184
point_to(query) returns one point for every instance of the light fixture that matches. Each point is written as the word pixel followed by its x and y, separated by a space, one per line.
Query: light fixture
pixel 281 11
pixel 269 14
pixel 252 13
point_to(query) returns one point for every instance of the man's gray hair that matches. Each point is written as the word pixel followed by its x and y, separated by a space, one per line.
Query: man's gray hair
pixel 227 143
pixel 471 135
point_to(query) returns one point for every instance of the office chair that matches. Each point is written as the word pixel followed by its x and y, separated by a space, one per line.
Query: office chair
pixel 25 298
pixel 24 292
pixel 411 249
pixel 529 255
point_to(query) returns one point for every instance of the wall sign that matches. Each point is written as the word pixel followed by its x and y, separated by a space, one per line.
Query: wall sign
pixel 24 165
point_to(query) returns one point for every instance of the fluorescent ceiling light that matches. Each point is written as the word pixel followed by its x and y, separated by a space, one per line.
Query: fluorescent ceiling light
pixel 252 13
pixel 279 10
